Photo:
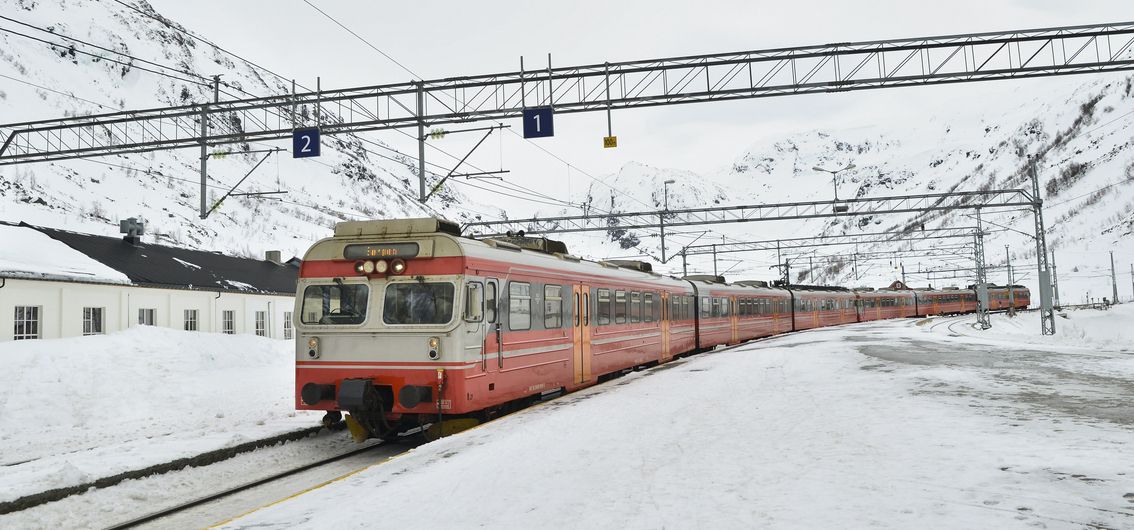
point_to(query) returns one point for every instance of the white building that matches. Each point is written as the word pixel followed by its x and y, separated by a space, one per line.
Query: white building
pixel 55 283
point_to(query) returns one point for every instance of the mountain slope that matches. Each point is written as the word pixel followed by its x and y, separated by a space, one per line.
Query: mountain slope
pixel 75 57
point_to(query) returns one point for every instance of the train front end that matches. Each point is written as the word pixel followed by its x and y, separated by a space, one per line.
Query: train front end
pixel 378 333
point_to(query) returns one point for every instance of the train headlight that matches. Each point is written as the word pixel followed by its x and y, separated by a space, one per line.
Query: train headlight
pixel 434 344
pixel 313 348
pixel 360 267
pixel 381 266
pixel 398 266
pixel 368 267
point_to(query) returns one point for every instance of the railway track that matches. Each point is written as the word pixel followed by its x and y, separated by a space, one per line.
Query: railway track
pixel 366 454
pixel 370 450
pixel 386 450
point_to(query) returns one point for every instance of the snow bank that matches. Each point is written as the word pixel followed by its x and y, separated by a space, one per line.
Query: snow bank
pixel 1089 328
pixel 29 253
pixel 812 430
pixel 78 409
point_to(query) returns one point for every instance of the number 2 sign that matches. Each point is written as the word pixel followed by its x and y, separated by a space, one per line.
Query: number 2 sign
pixel 305 142
pixel 538 122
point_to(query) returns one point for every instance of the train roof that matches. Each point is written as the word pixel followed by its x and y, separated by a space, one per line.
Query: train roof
pixel 448 241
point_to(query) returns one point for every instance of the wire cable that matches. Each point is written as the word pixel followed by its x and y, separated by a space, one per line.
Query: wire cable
pixel 72 96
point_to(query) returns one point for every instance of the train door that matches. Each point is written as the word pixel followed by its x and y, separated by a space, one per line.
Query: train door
pixel 666 315
pixel 581 332
pixel 493 335
pixel 733 318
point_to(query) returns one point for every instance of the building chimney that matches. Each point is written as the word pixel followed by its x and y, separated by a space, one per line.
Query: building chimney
pixel 273 256
pixel 133 228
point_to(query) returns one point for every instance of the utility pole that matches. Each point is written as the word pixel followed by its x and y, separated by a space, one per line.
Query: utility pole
pixel 714 260
pixel 903 267
pixel 661 216
pixel 981 282
pixel 1113 281
pixel 1011 291
pixel 421 140
pixel 205 146
pixel 1055 281
pixel 811 270
pixel 684 264
pixel 1047 314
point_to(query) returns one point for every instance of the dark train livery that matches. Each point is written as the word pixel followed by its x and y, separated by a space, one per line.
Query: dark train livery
pixel 403 323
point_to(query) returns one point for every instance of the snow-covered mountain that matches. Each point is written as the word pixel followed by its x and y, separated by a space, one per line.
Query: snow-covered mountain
pixel 1078 127
pixel 1081 135
pixel 52 68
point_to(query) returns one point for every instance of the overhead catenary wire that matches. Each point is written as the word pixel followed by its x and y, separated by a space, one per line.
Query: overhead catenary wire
pixel 72 96
pixel 104 58
pixel 416 75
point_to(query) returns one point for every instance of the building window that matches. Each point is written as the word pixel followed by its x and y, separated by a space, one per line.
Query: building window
pixel 288 331
pixel 191 320
pixel 27 323
pixel 228 322
pixel 519 306
pixel 92 321
pixel 552 306
pixel 146 317
pixel 261 323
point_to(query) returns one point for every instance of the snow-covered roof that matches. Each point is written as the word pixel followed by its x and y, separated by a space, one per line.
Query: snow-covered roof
pixel 28 253
pixel 74 256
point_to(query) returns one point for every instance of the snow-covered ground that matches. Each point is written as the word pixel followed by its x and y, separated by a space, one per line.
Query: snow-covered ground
pixel 75 410
pixel 901 424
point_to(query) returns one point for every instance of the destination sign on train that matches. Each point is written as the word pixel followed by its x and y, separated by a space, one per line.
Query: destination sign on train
pixel 381 250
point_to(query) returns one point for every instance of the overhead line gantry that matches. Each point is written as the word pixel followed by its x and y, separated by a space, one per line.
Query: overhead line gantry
pixel 835 67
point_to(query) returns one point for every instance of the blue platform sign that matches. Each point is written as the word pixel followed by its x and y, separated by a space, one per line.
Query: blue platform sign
pixel 305 142
pixel 538 122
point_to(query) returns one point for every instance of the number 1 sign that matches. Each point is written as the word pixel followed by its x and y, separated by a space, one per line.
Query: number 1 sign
pixel 305 142
pixel 538 122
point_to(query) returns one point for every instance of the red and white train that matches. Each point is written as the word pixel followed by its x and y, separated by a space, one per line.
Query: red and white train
pixel 401 323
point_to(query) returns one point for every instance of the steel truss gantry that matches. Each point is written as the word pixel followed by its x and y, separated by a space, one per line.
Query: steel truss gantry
pixel 824 241
pixel 608 86
pixel 958 200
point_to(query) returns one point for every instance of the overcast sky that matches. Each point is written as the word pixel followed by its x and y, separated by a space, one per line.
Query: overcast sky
pixel 440 39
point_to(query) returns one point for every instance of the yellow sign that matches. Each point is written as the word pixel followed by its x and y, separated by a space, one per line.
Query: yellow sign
pixel 609 141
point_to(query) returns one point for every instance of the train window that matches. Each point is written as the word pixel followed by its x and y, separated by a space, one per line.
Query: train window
pixel 635 307
pixel 619 307
pixel 519 305
pixel 603 311
pixel 552 306
pixel 343 303
pixel 418 303
pixel 474 302
pixel 648 308
pixel 490 301
pixel 726 307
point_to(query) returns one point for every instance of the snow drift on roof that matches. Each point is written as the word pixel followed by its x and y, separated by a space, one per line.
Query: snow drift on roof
pixel 28 253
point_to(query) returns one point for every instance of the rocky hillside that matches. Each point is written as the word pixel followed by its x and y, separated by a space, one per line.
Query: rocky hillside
pixel 74 57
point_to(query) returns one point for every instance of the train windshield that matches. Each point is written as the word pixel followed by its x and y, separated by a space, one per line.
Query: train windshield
pixel 418 303
pixel 335 304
